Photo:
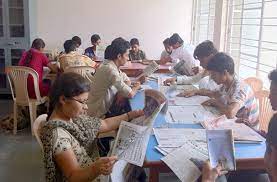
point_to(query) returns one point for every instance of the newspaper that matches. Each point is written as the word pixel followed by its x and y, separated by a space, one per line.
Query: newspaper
pixel 176 137
pixel 151 68
pixel 186 162
pixel 132 138
pixel 241 132
pixel 169 139
pixel 188 101
pixel 180 68
pixel 221 149
pixel 187 114
pixel 131 143
pixel 173 90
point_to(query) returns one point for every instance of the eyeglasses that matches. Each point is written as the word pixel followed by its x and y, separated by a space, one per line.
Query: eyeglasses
pixel 81 102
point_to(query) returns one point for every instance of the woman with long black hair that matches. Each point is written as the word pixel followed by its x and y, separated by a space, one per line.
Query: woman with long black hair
pixel 35 59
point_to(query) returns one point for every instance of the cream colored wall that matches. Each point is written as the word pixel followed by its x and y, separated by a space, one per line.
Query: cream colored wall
pixel 151 21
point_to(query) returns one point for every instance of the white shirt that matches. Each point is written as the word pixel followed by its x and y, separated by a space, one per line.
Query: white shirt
pixel 202 78
pixel 107 81
pixel 185 53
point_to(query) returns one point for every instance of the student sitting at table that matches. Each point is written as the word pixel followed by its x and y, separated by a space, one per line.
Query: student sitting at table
pixel 35 59
pixel 109 81
pixel 135 53
pixel 69 135
pixel 78 43
pixel 181 51
pixel 203 52
pixel 210 175
pixel 71 58
pixel 91 52
pixel 235 98
pixel 167 49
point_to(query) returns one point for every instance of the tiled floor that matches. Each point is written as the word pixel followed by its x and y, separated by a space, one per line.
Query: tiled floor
pixel 21 158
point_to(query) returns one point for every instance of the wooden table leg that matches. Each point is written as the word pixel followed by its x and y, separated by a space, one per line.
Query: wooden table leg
pixel 153 175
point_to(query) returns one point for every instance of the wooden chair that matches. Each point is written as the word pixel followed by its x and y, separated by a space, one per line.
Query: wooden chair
pixel 86 71
pixel 17 76
pixel 266 111
pixel 255 83
pixel 36 128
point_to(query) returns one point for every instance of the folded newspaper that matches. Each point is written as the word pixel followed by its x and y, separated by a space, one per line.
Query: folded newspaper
pixel 151 68
pixel 221 149
pixel 180 68
pixel 132 138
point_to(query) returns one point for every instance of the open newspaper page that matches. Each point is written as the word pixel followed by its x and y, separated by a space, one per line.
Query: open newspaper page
pixel 131 143
pixel 189 167
pixel 180 68
pixel 241 132
pixel 154 103
pixel 151 68
pixel 169 139
pixel 221 149
pixel 132 139
pixel 187 114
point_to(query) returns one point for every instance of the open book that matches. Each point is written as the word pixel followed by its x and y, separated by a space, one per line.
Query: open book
pixel 241 132
pixel 221 149
pixel 151 68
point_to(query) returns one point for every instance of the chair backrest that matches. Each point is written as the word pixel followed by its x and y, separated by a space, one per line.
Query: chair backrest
pixel 265 108
pixel 86 71
pixel 17 76
pixel 36 127
pixel 255 83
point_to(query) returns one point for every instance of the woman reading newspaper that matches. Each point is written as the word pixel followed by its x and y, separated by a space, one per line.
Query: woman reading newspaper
pixel 69 135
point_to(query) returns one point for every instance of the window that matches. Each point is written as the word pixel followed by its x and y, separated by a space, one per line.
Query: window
pixel 203 20
pixel 251 39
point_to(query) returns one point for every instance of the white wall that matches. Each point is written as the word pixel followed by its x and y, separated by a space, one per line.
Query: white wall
pixel 151 21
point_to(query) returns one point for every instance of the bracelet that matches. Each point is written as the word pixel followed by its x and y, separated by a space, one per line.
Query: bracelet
pixel 128 116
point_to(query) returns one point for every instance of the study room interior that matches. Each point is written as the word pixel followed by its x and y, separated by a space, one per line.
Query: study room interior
pixel 137 90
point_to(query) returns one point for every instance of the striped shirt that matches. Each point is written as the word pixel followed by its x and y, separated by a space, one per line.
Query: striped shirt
pixel 240 92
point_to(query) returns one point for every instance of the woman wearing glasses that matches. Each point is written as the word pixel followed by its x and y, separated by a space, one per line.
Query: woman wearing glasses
pixel 69 135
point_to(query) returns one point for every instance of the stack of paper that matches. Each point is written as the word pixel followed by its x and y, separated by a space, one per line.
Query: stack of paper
pixel 170 139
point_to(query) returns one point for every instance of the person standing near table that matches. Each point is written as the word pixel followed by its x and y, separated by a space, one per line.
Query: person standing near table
pixel 181 52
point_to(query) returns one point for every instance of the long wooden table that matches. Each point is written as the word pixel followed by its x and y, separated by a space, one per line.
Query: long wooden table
pixel 134 69
pixel 248 156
